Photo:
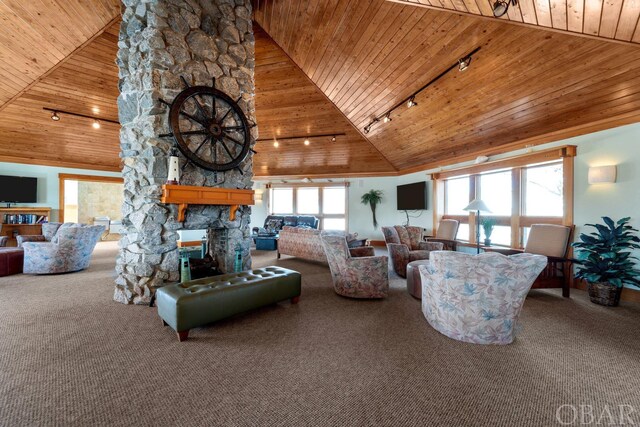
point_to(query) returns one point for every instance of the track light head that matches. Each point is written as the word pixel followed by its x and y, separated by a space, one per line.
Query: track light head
pixel 333 139
pixel 55 117
pixel 412 102
pixel 96 124
pixel 387 118
pixel 367 129
pixel 500 7
pixel 463 63
pixel 276 144
pixel 307 142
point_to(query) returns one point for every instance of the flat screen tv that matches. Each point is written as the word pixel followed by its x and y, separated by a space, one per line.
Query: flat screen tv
pixel 18 189
pixel 412 196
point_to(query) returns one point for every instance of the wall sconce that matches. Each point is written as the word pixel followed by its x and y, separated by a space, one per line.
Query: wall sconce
pixel 258 195
pixel 602 174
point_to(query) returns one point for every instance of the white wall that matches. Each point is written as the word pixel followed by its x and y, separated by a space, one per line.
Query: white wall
pixel 48 183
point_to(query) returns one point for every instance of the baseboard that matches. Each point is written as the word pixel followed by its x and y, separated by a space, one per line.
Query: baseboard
pixel 628 295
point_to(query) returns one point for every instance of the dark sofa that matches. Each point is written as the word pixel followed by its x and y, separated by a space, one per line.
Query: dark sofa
pixel 274 223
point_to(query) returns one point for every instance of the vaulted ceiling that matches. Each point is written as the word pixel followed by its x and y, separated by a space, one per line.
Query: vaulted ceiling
pixel 329 67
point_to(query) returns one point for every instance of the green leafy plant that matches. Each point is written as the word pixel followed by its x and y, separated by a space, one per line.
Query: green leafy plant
pixel 372 198
pixel 487 226
pixel 604 256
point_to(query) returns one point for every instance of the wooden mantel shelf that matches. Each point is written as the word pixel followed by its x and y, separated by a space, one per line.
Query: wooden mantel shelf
pixel 185 195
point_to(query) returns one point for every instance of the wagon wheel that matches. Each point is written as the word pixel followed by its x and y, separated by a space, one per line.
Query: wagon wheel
pixel 210 128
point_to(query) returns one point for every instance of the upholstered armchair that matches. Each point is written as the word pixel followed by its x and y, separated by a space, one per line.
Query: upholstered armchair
pixel 446 234
pixel 477 298
pixel 49 230
pixel 3 241
pixel 551 241
pixel 69 250
pixel 364 276
pixel 405 245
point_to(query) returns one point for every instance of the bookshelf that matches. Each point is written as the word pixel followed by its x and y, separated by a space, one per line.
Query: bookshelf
pixel 26 219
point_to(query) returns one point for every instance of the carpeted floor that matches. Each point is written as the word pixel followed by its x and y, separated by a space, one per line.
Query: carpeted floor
pixel 69 355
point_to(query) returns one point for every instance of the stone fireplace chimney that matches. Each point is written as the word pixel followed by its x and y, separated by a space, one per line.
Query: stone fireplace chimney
pixel 160 42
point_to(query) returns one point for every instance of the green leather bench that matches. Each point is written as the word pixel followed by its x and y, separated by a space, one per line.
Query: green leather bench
pixel 199 302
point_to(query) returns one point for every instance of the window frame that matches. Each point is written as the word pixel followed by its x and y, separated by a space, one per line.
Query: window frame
pixel 518 221
pixel 321 187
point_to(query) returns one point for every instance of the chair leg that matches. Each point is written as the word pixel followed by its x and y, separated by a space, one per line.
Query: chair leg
pixel 278 254
pixel 295 300
pixel 183 335
pixel 163 322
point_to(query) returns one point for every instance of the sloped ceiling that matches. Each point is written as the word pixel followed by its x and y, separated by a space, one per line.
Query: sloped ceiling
pixel 524 83
pixel 36 35
pixel 611 19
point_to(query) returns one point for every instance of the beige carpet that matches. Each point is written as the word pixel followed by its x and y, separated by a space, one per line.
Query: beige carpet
pixel 69 355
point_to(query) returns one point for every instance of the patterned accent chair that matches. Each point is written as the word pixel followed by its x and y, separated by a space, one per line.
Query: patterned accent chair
pixel 477 298
pixel 69 250
pixel 3 241
pixel 356 277
pixel 405 245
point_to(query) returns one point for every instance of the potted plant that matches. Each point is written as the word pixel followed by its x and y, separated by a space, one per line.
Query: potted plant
pixel 605 261
pixel 372 198
pixel 487 227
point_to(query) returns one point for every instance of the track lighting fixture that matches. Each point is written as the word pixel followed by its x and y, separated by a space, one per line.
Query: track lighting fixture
pixel 276 144
pixel 307 142
pixel 55 116
pixel 500 7
pixel 333 138
pixel 305 138
pixel 462 64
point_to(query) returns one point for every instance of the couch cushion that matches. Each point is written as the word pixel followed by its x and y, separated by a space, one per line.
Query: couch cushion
pixel 403 234
pixel 418 255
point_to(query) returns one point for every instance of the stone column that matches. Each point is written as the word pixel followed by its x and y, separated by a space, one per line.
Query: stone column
pixel 161 41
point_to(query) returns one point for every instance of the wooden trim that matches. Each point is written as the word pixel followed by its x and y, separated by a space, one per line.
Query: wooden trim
pixel 189 243
pixel 61 62
pixel 521 24
pixel 309 184
pixel 378 243
pixel 516 206
pixel 58 163
pixel 548 155
pixel 62 177
pixel 628 294
pixel 259 177
pixel 184 195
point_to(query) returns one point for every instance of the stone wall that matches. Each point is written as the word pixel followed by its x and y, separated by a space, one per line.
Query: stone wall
pixel 99 199
pixel 161 41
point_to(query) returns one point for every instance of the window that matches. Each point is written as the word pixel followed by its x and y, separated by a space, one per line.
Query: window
pixel 519 192
pixel 327 203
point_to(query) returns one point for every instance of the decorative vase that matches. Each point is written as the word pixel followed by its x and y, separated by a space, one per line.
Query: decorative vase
pixel 604 294
pixel 487 242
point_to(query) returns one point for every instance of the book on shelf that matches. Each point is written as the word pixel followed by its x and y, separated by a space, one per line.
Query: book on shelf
pixel 26 219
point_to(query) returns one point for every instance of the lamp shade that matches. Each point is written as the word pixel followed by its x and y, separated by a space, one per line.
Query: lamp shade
pixel 602 174
pixel 477 205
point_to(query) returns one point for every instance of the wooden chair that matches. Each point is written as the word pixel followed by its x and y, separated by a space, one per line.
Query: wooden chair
pixel 446 234
pixel 553 242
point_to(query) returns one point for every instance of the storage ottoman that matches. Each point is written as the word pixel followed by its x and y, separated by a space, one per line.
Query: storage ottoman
pixel 11 260
pixel 414 281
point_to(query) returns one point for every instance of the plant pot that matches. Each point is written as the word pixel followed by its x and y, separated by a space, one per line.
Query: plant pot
pixel 487 242
pixel 604 294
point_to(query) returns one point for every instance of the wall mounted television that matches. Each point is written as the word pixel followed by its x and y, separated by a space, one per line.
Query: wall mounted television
pixel 412 196
pixel 18 189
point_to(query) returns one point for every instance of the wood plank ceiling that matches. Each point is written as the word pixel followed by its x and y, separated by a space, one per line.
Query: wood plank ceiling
pixel 289 104
pixel 36 35
pixel 525 85
pixel 86 83
pixel 611 19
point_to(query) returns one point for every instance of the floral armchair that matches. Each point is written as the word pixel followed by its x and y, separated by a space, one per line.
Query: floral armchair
pixel 405 245
pixel 69 249
pixel 477 298
pixel 3 241
pixel 49 230
pixel 356 277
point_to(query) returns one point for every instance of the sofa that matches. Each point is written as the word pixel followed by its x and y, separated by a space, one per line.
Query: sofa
pixel 305 243
pixel 477 298
pixel 68 249
pixel 274 223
